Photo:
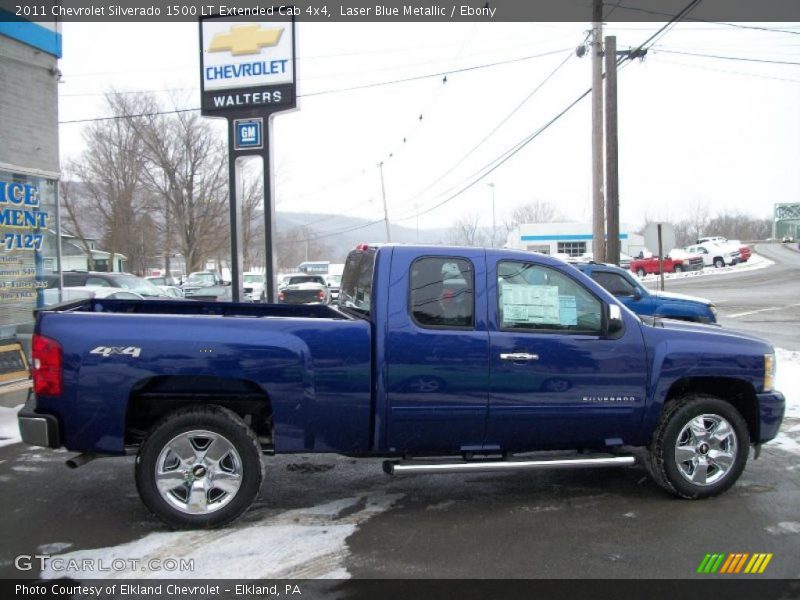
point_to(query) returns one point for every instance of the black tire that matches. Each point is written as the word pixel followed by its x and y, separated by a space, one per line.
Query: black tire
pixel 641 272
pixel 661 461
pixel 228 426
pixel 678 268
pixel 719 262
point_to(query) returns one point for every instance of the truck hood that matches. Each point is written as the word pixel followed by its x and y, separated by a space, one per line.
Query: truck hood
pixel 679 297
pixel 702 329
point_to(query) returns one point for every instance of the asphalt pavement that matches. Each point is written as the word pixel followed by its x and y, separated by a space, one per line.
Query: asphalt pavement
pixel 605 523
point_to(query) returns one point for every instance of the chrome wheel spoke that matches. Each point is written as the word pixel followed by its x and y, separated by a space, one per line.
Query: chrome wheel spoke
pixel 218 449
pixel 684 453
pixel 721 433
pixel 227 482
pixel 198 498
pixel 700 473
pixel 721 459
pixel 168 481
pixel 698 429
pixel 182 447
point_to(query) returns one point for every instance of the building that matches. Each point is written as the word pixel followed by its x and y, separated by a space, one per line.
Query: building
pixel 787 221
pixel 572 239
pixel 29 170
pixel 75 256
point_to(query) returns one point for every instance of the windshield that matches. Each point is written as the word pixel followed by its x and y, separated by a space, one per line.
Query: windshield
pixel 254 279
pixel 335 279
pixel 138 285
pixel 201 278
pixel 305 279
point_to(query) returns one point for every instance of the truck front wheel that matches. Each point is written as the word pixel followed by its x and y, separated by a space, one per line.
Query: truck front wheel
pixel 699 448
pixel 199 467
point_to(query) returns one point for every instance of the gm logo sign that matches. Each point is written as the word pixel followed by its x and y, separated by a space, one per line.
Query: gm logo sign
pixel 248 134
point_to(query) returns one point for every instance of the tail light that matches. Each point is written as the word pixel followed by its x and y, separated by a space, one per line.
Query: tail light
pixel 47 366
pixel 321 294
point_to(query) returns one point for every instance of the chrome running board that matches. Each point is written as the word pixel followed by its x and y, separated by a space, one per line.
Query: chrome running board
pixel 412 467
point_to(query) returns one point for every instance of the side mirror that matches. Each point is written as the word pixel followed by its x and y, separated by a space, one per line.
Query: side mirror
pixel 615 322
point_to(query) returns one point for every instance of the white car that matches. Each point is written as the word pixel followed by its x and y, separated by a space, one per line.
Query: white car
pixel 715 255
pixel 89 291
pixel 255 286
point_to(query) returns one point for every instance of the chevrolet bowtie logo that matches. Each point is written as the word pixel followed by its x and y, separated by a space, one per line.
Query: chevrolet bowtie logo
pixel 245 39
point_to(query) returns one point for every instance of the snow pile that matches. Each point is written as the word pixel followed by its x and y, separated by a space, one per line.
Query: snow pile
pixel 306 543
pixel 787 380
pixel 9 430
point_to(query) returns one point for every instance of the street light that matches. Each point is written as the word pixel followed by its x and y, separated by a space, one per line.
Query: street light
pixel 494 226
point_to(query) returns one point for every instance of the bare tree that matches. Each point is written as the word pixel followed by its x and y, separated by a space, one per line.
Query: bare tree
pixel 298 244
pixel 185 165
pixel 111 169
pixel 74 218
pixel 465 232
pixel 536 211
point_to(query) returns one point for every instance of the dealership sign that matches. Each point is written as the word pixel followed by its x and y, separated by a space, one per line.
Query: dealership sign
pixel 247 65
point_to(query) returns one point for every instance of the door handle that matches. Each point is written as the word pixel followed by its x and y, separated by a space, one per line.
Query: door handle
pixel 519 356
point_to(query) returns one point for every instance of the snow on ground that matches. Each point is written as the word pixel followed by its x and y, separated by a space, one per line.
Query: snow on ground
pixel 787 380
pixel 756 261
pixel 305 543
pixel 9 431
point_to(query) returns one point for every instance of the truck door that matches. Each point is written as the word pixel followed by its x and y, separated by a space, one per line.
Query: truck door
pixel 556 380
pixel 437 351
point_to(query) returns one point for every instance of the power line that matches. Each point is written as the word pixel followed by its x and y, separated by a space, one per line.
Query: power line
pixel 736 58
pixel 726 24
pixel 347 89
pixel 744 74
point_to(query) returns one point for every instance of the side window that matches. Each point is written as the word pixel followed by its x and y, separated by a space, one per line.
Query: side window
pixel 74 279
pixel 538 298
pixel 98 281
pixel 441 292
pixel 616 284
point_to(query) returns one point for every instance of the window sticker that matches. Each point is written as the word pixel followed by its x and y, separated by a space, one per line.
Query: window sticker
pixel 536 304
pixel 568 310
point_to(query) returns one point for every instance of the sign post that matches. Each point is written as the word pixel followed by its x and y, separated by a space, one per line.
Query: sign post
pixel 247 74
pixel 662 237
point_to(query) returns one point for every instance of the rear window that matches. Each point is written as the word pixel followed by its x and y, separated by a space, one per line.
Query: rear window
pixel 306 279
pixel 355 291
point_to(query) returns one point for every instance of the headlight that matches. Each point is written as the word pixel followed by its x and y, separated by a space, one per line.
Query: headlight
pixel 769 372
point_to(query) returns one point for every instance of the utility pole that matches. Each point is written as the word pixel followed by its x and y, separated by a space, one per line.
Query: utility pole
pixel 494 223
pixel 598 209
pixel 612 153
pixel 385 208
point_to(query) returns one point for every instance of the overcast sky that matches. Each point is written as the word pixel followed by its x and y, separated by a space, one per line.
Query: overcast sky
pixel 692 130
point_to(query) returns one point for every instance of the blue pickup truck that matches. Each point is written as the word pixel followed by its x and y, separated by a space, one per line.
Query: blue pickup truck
pixel 438 359
pixel 629 291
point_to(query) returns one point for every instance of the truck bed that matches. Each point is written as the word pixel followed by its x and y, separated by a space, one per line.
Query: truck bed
pixel 192 307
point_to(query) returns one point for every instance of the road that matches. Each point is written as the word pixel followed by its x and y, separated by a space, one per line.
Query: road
pixel 764 302
pixel 335 516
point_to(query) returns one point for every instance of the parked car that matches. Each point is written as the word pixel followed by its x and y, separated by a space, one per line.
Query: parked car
pixel 333 282
pixel 167 284
pixel 534 356
pixel 304 289
pixel 68 294
pixel 714 255
pixel 200 279
pixel 125 281
pixel 744 249
pixel 629 291
pixel 676 261
pixel 255 286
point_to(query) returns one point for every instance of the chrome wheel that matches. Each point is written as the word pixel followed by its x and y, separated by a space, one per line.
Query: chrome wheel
pixel 705 450
pixel 198 472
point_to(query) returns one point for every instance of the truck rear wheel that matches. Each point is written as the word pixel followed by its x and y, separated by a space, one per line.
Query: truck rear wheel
pixel 199 467
pixel 699 448
pixel 641 272
pixel 719 262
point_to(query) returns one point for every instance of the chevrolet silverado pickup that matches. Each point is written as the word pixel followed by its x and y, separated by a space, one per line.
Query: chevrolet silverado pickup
pixel 438 359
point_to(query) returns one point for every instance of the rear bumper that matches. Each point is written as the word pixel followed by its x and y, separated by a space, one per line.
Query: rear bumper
pixel 771 406
pixel 38 429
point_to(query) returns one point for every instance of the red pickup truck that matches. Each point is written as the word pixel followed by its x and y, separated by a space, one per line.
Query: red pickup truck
pixel 677 264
